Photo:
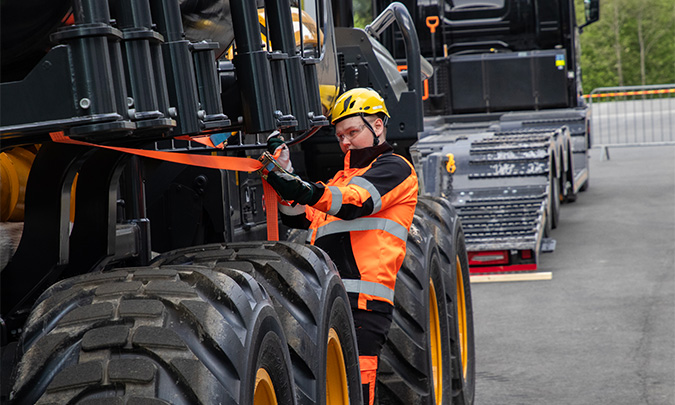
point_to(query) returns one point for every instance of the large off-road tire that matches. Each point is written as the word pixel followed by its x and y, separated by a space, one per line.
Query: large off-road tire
pixel 429 354
pixel 312 304
pixel 169 335
pixel 463 349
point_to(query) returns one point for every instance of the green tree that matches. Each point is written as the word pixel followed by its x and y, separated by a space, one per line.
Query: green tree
pixel 362 13
pixel 632 44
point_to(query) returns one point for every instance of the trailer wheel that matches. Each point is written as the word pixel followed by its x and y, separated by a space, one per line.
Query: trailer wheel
pixel 311 302
pixel 426 346
pixel 569 196
pixel 567 181
pixel 170 335
pixel 587 183
pixel 554 201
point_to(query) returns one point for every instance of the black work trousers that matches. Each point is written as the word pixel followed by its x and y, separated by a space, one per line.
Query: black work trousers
pixel 371 334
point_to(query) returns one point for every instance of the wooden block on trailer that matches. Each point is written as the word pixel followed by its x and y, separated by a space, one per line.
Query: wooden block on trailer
pixel 495 278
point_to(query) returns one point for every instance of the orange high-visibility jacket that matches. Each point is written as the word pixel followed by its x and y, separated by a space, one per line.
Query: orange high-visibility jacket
pixel 361 220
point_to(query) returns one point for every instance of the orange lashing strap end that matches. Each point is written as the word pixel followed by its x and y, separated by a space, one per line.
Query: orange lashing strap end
pixel 212 162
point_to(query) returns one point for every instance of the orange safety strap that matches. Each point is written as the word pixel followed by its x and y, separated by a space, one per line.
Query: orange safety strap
pixel 271 207
pixel 204 140
pixel 212 162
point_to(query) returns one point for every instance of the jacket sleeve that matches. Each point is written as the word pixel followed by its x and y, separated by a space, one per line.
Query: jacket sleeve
pixel 295 217
pixel 390 180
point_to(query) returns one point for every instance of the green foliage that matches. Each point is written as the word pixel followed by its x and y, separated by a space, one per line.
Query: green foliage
pixel 362 13
pixel 629 31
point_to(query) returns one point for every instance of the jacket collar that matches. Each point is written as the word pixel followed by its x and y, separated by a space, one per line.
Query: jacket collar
pixel 359 158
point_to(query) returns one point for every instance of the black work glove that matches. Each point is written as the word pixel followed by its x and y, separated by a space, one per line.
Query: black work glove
pixel 292 188
pixel 276 144
pixel 273 143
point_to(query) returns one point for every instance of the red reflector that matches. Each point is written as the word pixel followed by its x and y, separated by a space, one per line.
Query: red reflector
pixel 488 258
pixel 526 254
pixel 506 269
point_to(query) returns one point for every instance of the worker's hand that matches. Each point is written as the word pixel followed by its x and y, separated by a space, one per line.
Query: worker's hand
pixel 276 146
pixel 273 142
pixel 291 187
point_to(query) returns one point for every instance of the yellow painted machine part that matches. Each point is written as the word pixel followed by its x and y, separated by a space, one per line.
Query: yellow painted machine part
pixel 461 319
pixel 264 389
pixel 310 34
pixel 435 344
pixel 14 168
pixel 311 37
pixel 337 389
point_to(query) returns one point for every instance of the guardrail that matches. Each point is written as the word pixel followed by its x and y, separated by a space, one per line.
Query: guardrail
pixel 632 116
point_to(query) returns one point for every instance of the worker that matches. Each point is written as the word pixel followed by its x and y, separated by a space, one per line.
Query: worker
pixel 361 217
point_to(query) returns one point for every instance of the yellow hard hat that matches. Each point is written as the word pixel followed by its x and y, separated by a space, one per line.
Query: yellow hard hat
pixel 358 101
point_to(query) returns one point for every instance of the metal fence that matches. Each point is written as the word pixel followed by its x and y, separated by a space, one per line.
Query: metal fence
pixel 632 116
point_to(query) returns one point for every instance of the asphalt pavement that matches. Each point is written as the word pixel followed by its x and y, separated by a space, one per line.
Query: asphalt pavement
pixel 602 330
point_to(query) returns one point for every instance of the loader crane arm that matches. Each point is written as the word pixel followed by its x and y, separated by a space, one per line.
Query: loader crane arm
pixel 143 271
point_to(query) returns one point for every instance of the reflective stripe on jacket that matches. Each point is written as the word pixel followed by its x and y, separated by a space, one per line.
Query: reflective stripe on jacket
pixel 362 220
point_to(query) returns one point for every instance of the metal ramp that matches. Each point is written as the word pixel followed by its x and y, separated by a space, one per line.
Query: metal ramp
pixel 500 189
pixel 501 222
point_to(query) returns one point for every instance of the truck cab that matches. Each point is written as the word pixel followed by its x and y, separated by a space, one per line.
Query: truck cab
pixel 505 106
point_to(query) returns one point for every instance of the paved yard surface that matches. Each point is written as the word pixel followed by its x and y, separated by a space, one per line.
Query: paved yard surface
pixel 602 331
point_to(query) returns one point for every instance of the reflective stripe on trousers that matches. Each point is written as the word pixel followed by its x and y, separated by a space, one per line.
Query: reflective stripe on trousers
pixel 368 287
pixel 361 224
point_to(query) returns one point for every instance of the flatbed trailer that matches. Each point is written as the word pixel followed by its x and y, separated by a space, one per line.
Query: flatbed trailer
pixel 504 184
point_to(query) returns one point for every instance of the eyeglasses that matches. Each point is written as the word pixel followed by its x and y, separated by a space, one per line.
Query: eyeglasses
pixel 350 135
